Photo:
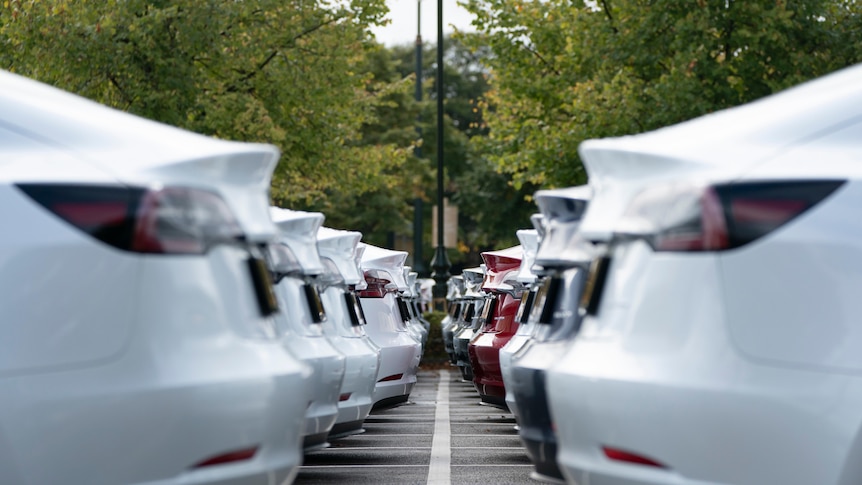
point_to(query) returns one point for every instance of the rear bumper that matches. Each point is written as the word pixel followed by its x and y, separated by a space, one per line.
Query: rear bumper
pixel 361 366
pixel 484 353
pixel 325 383
pixel 403 360
pixel 150 420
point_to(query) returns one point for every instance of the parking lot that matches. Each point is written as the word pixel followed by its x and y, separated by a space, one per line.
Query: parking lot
pixel 441 435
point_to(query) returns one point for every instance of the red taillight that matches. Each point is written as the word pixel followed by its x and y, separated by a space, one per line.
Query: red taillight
pixel 183 221
pixel 393 377
pixel 709 235
pixel 93 214
pixel 719 217
pixel 107 213
pixel 378 286
pixel 171 220
pixel 617 454
pixel 230 457
pixel 344 397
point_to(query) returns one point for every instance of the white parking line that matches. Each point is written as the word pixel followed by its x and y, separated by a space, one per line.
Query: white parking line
pixel 342 467
pixel 439 472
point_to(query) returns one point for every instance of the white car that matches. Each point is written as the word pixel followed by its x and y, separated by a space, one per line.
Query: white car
pixel 721 342
pixel 399 352
pixel 138 344
pixel 298 264
pixel 417 302
pixel 415 327
pixel 345 328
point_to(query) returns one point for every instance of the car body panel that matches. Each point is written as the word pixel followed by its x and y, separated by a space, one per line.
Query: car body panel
pixel 122 367
pixel 302 333
pixel 399 352
pixel 731 366
pixel 138 151
pixel 362 356
pixel 723 145
pixel 502 268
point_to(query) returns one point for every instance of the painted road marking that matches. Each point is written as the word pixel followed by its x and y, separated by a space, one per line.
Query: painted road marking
pixel 439 470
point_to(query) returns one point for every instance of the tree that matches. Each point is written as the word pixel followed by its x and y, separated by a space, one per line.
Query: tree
pixel 386 207
pixel 287 73
pixel 491 209
pixel 564 71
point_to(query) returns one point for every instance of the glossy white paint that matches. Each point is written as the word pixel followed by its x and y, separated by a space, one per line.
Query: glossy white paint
pixel 390 261
pixel 414 326
pixel 340 247
pixel 740 366
pixel 399 352
pixel 298 231
pixel 137 151
pixel 120 367
pixel 721 146
pixel 301 335
pixel 362 356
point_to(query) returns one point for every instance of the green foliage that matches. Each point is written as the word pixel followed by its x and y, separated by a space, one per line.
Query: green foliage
pixel 288 73
pixel 565 71
pixel 491 209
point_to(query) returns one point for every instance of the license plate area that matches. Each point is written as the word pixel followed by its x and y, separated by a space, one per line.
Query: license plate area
pixel 315 304
pixel 595 285
pixel 354 309
pixel 263 289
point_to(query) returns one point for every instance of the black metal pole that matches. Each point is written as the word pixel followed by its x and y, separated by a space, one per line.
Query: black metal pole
pixel 440 263
pixel 418 209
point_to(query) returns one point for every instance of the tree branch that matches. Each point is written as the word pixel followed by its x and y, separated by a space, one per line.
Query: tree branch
pixel 293 40
pixel 122 92
pixel 607 10
pixel 544 61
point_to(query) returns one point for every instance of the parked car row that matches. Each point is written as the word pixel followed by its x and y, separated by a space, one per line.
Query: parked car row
pixel 161 323
pixel 690 315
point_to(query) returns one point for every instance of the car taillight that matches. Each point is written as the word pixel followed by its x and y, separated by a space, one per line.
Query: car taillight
pixel 718 217
pixel 377 285
pixel 171 220
pixel 230 457
pixel 283 261
pixel 106 213
pixel 180 220
pixel 617 454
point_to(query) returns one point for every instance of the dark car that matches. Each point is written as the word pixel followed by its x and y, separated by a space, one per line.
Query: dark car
pixel 564 261
pixel 473 316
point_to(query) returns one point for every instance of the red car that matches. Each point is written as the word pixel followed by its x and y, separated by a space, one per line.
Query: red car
pixel 500 325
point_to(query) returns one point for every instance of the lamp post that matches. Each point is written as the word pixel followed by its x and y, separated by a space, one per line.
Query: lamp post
pixel 418 211
pixel 440 264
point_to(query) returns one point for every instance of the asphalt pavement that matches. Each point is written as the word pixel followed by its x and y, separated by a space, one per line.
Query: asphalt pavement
pixel 441 436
